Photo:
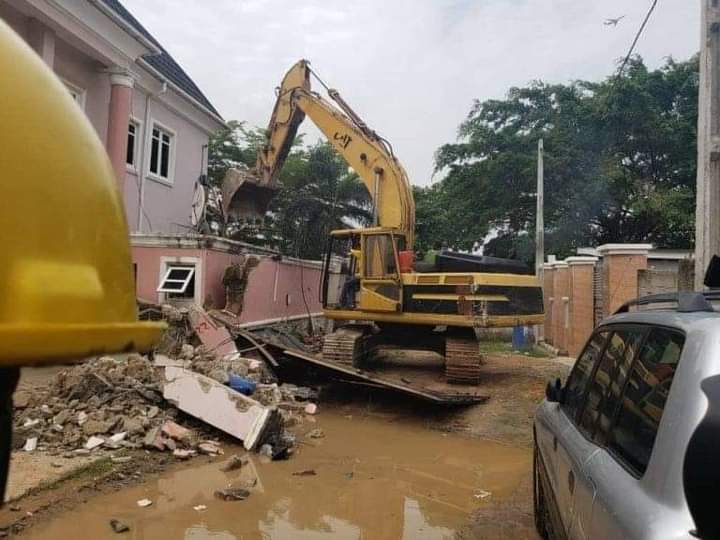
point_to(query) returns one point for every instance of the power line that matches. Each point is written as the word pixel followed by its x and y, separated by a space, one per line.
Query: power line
pixel 637 37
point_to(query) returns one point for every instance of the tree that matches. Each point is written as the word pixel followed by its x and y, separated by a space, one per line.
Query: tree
pixel 619 165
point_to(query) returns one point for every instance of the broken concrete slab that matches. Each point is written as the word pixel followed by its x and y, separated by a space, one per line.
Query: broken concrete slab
pixel 132 426
pixel 213 335
pixel 218 405
pixel 209 448
pixel 176 431
pixel 118 526
pixel 234 463
pixel 115 440
pixel 183 454
pixel 30 444
pixel 232 494
pixel 160 360
pixel 94 442
pixel 94 427
pixel 21 399
pixel 62 417
pixel 154 439
pixel 310 408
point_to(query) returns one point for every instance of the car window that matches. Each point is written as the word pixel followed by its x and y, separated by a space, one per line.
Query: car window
pixel 609 378
pixel 633 435
pixel 574 390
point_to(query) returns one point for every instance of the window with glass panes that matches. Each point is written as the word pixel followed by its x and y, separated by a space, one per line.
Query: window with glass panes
pixel 132 138
pixel 160 152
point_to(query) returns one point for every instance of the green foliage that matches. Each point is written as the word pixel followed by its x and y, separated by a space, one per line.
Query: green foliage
pixel 317 193
pixel 319 196
pixel 619 166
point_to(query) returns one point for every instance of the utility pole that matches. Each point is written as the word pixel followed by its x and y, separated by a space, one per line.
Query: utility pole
pixel 539 217
pixel 540 229
pixel 707 210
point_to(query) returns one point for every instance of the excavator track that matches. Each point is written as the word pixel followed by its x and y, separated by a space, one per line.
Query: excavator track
pixel 344 346
pixel 462 360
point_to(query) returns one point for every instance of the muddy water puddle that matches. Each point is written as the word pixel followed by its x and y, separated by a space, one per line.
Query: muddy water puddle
pixel 374 479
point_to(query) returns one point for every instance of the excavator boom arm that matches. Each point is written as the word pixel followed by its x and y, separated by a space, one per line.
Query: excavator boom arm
pixel 361 148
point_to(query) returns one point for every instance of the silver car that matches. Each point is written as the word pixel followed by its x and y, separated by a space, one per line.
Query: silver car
pixel 628 447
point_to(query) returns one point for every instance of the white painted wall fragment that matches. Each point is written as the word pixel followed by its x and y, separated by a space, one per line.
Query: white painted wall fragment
pixel 217 404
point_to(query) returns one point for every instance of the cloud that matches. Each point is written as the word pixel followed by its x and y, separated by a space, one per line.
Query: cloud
pixel 410 68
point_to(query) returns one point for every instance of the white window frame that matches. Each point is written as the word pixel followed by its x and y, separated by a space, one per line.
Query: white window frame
pixel 138 144
pixel 184 282
pixel 79 92
pixel 166 263
pixel 169 181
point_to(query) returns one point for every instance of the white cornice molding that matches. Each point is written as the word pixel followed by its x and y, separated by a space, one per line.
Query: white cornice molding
pixel 624 249
pixel 580 260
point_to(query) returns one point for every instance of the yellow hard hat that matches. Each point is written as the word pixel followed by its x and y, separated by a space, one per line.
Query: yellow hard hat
pixel 66 281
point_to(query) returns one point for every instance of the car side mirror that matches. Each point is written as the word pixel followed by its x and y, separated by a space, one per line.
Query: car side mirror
pixel 701 473
pixel 553 391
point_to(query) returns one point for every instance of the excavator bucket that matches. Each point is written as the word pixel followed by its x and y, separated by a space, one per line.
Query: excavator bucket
pixel 246 196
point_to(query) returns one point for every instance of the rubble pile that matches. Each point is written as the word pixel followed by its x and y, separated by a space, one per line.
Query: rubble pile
pixel 220 369
pixel 104 403
pixel 113 403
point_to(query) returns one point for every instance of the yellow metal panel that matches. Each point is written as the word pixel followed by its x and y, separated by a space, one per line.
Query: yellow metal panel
pixel 436 319
pixel 372 301
pixel 512 280
pixel 457 279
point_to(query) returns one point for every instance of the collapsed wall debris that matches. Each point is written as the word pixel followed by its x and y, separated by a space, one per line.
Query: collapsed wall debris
pixel 218 405
pixel 209 378
pixel 134 402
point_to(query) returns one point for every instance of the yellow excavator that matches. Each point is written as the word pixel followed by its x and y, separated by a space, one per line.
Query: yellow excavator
pixel 387 298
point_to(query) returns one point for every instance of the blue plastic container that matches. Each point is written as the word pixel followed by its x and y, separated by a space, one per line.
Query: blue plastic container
pixel 241 384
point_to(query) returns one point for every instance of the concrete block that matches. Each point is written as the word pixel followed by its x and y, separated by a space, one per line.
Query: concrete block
pixel 212 334
pixel 218 405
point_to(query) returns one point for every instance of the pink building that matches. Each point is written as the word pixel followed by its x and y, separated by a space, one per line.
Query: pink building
pixel 153 118
pixel 156 123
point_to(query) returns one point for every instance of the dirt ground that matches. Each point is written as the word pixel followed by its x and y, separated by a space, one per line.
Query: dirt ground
pixel 515 384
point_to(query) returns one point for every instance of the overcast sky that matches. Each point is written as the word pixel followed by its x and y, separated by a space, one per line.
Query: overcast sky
pixel 410 68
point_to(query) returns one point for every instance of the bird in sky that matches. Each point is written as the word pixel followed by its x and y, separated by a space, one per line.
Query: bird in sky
pixel 613 22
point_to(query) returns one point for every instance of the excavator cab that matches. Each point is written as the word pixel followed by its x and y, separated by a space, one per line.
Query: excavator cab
pixel 380 284
pixel 370 270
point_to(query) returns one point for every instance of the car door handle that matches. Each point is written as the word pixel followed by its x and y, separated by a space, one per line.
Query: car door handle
pixel 571 482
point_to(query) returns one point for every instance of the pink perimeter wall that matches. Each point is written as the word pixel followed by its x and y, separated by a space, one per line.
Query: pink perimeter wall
pixel 274 290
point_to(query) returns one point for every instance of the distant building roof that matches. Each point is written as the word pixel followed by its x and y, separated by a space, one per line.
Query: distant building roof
pixel 163 62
